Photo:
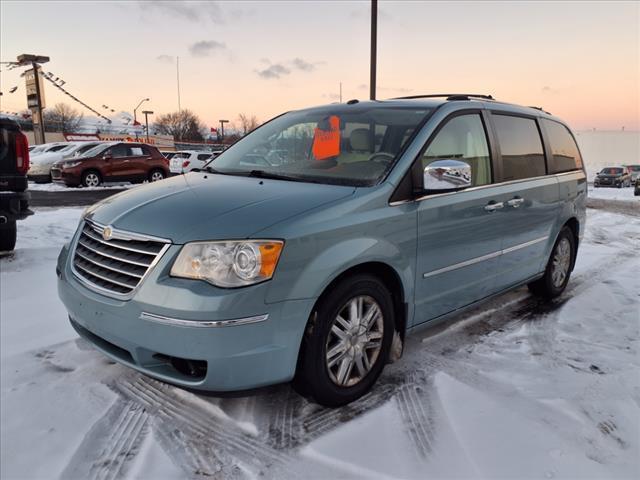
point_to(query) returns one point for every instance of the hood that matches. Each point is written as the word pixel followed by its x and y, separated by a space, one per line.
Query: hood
pixel 200 206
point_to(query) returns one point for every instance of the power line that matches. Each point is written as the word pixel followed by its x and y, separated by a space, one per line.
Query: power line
pixel 49 76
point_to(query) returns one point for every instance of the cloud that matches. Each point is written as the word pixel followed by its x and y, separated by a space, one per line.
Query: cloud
pixel 165 58
pixel 205 48
pixel 190 11
pixel 276 70
pixel 331 96
pixel 303 65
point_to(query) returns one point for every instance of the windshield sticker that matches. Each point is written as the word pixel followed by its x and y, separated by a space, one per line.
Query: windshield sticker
pixel 326 138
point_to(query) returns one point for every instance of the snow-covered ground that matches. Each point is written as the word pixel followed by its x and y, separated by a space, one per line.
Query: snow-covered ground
pixel 608 193
pixel 517 388
pixel 60 187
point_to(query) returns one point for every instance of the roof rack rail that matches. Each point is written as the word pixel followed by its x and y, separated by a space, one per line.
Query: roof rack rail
pixel 449 96
pixel 540 108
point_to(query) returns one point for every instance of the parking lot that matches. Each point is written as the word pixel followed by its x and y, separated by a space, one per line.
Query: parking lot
pixel 519 387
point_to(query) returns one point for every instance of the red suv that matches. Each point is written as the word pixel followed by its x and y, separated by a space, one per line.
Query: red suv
pixel 112 162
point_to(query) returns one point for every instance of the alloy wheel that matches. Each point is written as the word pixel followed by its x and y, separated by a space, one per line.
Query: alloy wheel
pixel 155 176
pixel 354 341
pixel 92 180
pixel 561 263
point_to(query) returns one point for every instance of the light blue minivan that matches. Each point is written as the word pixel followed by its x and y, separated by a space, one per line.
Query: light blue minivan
pixel 317 242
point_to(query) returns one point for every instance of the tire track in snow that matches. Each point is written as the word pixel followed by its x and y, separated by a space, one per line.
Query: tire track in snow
pixel 218 435
pixel 417 413
pixel 117 437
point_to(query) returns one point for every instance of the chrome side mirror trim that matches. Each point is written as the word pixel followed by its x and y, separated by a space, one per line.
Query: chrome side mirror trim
pixel 447 174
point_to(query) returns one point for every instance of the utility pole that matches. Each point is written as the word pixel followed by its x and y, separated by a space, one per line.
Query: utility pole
pixel 146 121
pixel 178 80
pixel 35 99
pixel 222 122
pixel 374 48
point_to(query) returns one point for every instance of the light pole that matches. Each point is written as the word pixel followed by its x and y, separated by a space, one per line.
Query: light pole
pixel 374 48
pixel 134 110
pixel 35 100
pixel 146 121
pixel 222 122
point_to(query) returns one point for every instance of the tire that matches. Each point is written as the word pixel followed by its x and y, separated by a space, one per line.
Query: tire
pixel 91 178
pixel 337 384
pixel 8 233
pixel 157 175
pixel 553 282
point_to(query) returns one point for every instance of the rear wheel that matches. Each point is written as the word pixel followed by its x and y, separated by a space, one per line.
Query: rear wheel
pixel 156 175
pixel 556 275
pixel 91 178
pixel 347 341
pixel 8 233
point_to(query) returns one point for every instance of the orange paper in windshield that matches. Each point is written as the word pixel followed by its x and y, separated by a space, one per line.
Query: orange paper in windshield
pixel 326 143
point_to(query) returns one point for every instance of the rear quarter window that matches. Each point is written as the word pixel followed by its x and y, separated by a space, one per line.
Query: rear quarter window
pixel 520 146
pixel 565 155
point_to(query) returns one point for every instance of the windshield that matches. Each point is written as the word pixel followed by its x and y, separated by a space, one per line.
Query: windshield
pixel 92 152
pixel 634 168
pixel 85 148
pixel 611 171
pixel 346 145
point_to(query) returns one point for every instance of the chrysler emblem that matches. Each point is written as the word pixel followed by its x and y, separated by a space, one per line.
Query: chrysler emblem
pixel 107 232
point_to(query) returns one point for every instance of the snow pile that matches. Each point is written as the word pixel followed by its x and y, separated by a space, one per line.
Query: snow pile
pixel 516 388
pixel 609 193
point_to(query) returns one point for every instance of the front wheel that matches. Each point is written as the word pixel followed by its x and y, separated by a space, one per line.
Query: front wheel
pixel 8 233
pixel 556 275
pixel 156 175
pixel 91 179
pixel 347 341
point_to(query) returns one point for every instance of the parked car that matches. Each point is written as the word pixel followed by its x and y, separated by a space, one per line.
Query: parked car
pixel 40 169
pixel 612 177
pixel 14 198
pixel 35 150
pixel 233 277
pixel 168 155
pixel 186 160
pixel 112 162
pixel 634 170
pixel 636 189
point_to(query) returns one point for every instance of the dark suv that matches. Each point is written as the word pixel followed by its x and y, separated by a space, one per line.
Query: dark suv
pixel 14 198
pixel 613 177
pixel 114 162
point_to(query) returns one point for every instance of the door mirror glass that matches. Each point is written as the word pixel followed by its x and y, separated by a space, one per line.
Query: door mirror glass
pixel 107 155
pixel 447 175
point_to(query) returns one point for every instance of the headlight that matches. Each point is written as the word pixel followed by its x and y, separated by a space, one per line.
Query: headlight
pixel 228 264
pixel 70 164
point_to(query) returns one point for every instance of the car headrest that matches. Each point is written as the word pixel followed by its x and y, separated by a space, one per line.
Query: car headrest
pixel 359 139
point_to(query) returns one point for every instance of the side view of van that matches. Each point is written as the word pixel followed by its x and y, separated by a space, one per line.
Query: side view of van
pixel 361 223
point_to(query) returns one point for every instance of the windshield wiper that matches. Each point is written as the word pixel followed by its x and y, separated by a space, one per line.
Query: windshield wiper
pixel 276 176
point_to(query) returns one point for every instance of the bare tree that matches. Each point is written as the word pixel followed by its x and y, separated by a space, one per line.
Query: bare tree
pixel 248 123
pixel 62 118
pixel 185 126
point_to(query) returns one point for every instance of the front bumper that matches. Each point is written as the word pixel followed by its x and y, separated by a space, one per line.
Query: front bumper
pixel 153 332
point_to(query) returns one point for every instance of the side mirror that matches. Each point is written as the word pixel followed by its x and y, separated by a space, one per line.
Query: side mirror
pixel 107 156
pixel 447 175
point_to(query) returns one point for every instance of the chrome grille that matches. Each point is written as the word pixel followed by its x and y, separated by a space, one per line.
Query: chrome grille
pixel 116 265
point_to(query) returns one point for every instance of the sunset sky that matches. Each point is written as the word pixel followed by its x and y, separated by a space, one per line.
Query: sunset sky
pixel 578 60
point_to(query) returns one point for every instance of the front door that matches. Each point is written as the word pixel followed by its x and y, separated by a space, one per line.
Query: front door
pixel 459 233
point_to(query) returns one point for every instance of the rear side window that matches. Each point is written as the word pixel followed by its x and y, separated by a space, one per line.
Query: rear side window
pixel 204 156
pixel 521 147
pixel 565 155
pixel 135 152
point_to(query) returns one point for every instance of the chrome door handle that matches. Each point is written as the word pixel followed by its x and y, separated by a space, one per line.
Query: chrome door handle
pixel 515 202
pixel 491 207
